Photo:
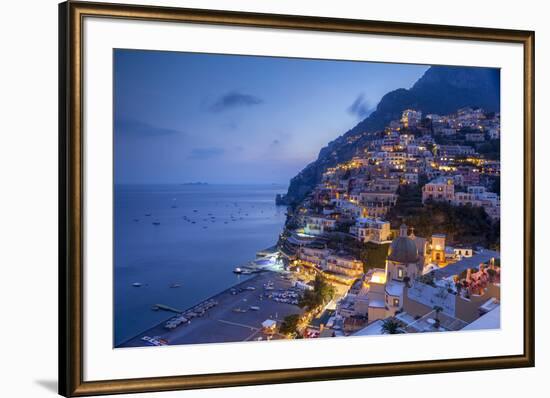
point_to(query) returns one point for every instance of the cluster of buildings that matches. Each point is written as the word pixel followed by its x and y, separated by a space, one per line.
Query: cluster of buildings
pixel 475 121
pixel 408 152
pixel 421 299
pixel 426 284
pixel 442 189
pixel 338 264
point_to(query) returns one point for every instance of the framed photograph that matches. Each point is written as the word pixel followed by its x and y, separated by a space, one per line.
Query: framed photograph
pixel 252 199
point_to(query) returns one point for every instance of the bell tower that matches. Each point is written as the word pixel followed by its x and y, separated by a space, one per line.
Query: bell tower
pixel 438 249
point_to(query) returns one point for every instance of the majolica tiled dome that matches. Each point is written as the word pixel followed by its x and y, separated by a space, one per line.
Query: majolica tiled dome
pixel 403 249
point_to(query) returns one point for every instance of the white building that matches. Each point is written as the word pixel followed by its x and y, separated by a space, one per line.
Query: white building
pixel 368 229
pixel 416 149
pixel 316 225
pixel 313 255
pixel 411 118
pixel 455 150
pixel 463 252
pixel 343 264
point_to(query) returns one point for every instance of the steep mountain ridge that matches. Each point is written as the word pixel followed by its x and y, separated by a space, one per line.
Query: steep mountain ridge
pixel 441 90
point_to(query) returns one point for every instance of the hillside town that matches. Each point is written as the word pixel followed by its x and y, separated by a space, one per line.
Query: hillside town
pixel 403 237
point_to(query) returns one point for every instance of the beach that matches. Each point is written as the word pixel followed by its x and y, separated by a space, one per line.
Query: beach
pixel 222 323
pixel 181 243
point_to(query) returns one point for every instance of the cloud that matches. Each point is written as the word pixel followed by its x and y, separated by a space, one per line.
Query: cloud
pixel 277 146
pixel 233 100
pixel 132 127
pixel 280 142
pixel 205 153
pixel 360 107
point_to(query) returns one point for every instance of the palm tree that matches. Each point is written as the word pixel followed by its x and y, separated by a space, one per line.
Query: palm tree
pixel 390 326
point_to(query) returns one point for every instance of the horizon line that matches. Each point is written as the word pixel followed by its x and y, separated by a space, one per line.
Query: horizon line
pixel 202 183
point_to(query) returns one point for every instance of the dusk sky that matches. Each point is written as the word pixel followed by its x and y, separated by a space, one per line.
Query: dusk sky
pixel 183 117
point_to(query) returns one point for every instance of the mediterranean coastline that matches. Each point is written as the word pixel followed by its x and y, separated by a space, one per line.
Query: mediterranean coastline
pixel 176 245
pixel 394 228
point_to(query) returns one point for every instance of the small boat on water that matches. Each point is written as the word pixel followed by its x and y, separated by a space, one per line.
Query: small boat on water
pixel 254 308
pixel 136 284
pixel 238 270
pixel 155 340
pixel 148 215
pixel 175 285
pixel 156 223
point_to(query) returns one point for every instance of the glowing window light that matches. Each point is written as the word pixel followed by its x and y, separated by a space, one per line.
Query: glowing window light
pixel 378 278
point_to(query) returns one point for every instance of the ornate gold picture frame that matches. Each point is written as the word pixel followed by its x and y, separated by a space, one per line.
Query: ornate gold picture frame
pixel 72 207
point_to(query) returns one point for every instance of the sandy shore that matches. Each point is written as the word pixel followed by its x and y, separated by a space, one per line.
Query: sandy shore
pixel 221 324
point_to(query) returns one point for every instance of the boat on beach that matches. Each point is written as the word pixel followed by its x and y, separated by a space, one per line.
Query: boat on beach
pixel 155 340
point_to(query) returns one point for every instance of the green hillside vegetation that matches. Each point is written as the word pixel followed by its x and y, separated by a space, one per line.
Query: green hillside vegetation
pixel 321 294
pixel 471 224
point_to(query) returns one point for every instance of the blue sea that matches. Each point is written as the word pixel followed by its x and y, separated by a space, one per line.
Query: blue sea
pixel 192 235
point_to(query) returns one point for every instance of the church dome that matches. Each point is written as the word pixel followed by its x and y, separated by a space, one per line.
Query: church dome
pixel 403 250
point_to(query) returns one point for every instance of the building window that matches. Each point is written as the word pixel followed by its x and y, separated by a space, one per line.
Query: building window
pixel 400 273
pixel 395 302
